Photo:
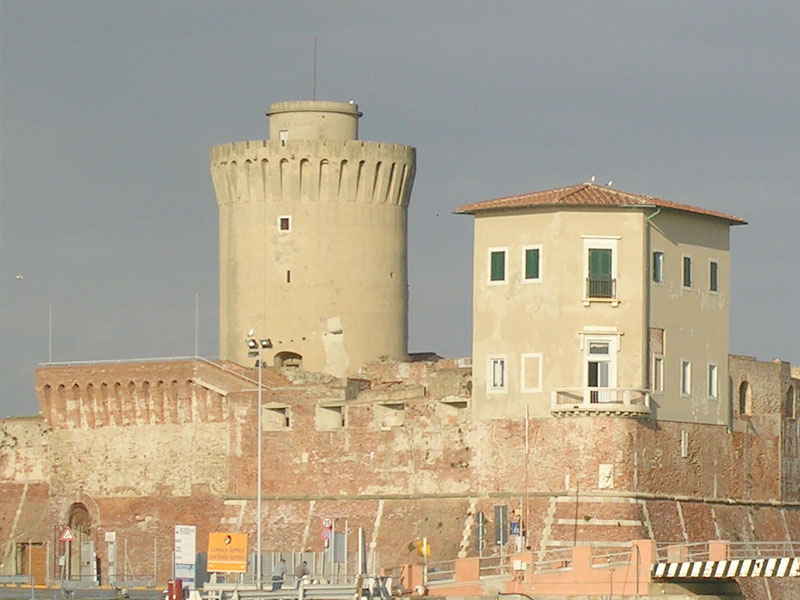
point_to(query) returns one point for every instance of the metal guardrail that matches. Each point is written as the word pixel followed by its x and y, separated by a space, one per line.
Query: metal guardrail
pixel 370 587
pixel 15 579
pixel 494 565
pixel 695 551
pixel 605 288
pixel 698 551
pixel 613 559
pixel 554 560
pixel 763 549
pixel 444 570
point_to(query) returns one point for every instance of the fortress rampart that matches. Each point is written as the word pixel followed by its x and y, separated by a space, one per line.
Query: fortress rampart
pixel 395 451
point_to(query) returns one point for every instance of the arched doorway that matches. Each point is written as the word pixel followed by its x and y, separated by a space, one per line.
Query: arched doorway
pixel 80 560
pixel 288 360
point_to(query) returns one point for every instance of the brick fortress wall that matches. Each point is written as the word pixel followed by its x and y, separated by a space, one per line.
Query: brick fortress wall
pixel 145 446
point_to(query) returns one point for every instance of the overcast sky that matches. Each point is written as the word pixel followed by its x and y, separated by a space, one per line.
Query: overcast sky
pixel 109 109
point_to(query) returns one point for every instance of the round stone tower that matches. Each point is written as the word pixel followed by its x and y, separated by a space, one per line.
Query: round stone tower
pixel 312 232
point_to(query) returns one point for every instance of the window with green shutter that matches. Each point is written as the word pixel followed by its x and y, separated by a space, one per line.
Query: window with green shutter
pixel 713 283
pixel 600 284
pixel 658 266
pixel 687 271
pixel 532 263
pixel 497 268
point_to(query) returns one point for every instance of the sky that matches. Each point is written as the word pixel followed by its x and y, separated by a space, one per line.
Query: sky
pixel 108 220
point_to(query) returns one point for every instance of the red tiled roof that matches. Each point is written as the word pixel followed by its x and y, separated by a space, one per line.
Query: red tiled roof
pixel 586 194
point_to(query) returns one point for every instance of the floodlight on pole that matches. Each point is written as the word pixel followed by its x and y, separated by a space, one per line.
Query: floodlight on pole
pixel 255 349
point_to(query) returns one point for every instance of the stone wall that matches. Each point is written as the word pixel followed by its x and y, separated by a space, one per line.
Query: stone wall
pixel 395 451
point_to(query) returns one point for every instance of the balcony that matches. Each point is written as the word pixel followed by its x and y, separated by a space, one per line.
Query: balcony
pixel 594 401
pixel 600 290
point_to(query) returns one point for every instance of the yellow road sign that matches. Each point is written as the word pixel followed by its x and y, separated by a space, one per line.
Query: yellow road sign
pixel 227 552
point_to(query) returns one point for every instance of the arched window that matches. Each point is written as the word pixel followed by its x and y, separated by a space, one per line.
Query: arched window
pixel 745 399
pixel 289 360
pixel 789 409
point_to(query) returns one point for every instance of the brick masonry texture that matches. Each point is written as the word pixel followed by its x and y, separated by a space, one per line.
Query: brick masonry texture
pixel 395 450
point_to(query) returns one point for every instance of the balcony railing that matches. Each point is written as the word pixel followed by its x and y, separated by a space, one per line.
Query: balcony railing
pixel 601 288
pixel 600 401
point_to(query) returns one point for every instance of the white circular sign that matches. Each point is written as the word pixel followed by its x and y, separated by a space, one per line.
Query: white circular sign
pixel 327 523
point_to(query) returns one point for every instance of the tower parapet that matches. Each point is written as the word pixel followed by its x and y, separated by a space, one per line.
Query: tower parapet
pixel 313 240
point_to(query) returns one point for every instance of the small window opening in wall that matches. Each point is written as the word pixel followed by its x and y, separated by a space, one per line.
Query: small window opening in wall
pixel 497 374
pixel 390 414
pixel 713 276
pixel 686 378
pixel 745 399
pixel 284 223
pixel 283 135
pixel 288 277
pixel 684 444
pixel 713 384
pixel 657 375
pixel 288 360
pixel 276 417
pixel 331 417
pixel 532 260
pixel 497 265
pixel 687 271
pixel 658 267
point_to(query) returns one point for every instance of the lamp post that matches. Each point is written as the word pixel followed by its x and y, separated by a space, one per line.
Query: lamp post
pixel 256 349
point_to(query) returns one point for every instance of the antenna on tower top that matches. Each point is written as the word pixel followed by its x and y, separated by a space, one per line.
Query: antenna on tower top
pixel 314 91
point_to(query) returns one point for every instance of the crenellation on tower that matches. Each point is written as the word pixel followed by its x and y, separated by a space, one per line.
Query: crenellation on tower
pixel 310 171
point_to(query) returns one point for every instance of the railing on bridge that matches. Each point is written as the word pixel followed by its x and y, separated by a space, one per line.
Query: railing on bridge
pixel 623 570
pixel 763 549
pixel 723 550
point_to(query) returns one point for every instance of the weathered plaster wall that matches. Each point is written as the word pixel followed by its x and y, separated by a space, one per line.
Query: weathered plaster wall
pixel 24 513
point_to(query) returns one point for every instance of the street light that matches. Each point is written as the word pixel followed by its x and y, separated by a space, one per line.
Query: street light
pixel 256 349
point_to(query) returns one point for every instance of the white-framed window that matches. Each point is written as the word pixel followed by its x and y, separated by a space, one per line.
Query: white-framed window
pixel 283 136
pixel 657 374
pixel 496 377
pixel 497 265
pixel 284 224
pixel 530 376
pixel 658 266
pixel 686 378
pixel 600 268
pixel 686 277
pixel 713 381
pixel 713 276
pixel 532 264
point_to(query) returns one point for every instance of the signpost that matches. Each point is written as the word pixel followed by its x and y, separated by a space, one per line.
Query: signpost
pixel 227 552
pixel 327 530
pixel 68 537
pixel 480 532
pixel 184 561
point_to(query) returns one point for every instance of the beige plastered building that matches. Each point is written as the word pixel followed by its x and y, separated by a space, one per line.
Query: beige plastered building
pixel 587 299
